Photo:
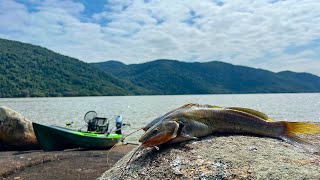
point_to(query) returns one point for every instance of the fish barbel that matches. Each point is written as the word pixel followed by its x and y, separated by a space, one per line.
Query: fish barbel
pixel 193 121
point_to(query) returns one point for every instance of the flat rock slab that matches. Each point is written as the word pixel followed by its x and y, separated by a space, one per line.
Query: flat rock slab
pixel 72 164
pixel 224 157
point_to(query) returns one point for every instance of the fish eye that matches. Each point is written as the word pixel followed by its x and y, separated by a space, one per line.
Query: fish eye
pixel 155 132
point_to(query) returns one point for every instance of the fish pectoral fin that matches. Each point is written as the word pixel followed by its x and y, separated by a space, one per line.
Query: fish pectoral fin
pixel 182 138
pixel 184 135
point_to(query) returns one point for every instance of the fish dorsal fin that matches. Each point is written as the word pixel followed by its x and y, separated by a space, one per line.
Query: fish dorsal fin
pixel 212 106
pixel 271 120
pixel 253 112
pixel 192 105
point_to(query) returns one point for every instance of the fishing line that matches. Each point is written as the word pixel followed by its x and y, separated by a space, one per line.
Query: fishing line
pixel 122 139
pixel 125 167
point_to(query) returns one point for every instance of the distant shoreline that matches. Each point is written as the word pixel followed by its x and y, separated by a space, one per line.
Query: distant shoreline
pixel 163 95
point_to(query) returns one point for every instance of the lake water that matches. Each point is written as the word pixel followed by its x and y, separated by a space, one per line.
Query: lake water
pixel 139 110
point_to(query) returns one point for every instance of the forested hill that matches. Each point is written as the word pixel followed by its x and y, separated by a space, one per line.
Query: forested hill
pixel 175 77
pixel 32 71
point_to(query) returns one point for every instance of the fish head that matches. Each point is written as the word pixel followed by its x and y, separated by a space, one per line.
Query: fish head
pixel 169 115
pixel 160 133
pixel 152 123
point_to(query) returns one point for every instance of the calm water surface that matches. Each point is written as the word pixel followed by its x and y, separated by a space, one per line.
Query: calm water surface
pixel 139 110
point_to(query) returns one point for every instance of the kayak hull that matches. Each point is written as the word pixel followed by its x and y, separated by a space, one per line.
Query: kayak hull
pixel 55 138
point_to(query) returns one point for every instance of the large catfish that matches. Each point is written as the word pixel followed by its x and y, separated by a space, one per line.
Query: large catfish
pixel 193 121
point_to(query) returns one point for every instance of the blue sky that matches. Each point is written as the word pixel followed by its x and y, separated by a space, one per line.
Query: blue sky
pixel 267 34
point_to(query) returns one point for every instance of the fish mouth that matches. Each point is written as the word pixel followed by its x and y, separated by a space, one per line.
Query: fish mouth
pixel 156 137
pixel 157 140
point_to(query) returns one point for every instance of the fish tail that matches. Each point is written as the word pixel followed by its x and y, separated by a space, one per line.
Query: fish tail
pixel 300 128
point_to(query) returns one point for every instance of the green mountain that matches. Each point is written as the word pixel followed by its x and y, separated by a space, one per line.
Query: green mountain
pixel 175 77
pixel 32 71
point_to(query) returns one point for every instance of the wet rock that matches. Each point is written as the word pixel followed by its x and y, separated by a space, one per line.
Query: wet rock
pixel 16 131
pixel 224 157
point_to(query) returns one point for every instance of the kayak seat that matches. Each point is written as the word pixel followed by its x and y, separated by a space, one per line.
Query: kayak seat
pixel 98 124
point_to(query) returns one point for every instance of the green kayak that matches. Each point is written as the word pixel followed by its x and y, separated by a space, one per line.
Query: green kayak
pixel 56 138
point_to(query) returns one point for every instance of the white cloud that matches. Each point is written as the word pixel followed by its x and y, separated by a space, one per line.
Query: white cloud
pixel 298 62
pixel 251 33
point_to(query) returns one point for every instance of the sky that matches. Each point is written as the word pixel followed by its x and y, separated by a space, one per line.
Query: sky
pixel 269 34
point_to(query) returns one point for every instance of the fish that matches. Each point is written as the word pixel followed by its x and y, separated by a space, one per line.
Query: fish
pixel 194 121
pixel 188 105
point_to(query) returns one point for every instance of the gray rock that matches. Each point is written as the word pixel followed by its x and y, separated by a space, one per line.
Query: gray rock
pixel 16 131
pixel 224 157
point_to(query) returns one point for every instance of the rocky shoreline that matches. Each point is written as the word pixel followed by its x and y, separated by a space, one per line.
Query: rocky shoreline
pixel 69 164
pixel 214 157
pixel 21 156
